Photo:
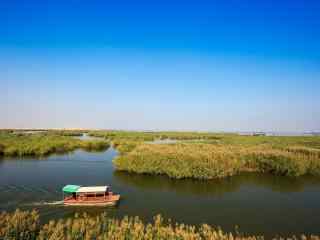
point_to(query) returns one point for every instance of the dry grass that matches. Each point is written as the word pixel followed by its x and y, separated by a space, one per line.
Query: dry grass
pixel 25 225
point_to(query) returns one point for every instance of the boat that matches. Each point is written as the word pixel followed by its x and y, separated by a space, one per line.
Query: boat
pixel 75 195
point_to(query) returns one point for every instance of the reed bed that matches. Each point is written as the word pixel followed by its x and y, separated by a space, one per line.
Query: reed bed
pixel 208 161
pixel 151 136
pixel 71 133
pixel 210 155
pixel 25 225
pixel 211 138
pixel 45 144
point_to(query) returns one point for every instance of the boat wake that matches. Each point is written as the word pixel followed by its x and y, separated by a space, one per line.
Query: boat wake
pixel 45 203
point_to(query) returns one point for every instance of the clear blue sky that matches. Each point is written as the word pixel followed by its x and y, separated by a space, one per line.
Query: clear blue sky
pixel 174 65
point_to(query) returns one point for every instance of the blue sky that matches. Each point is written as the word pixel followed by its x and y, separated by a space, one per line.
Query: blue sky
pixel 161 65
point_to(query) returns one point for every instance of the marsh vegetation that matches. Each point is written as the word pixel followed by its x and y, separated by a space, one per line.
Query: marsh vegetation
pixel 207 161
pixel 151 136
pixel 45 143
pixel 220 155
pixel 26 225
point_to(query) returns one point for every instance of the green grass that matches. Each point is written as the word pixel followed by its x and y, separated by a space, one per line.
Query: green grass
pixel 25 225
pixel 41 144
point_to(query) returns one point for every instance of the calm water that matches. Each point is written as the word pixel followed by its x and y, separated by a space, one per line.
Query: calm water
pixel 262 204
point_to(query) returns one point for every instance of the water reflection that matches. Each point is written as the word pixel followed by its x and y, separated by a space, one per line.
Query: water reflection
pixel 217 187
pixel 61 154
pixel 86 136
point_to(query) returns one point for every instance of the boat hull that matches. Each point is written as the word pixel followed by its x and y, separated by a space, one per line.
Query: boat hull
pixel 110 201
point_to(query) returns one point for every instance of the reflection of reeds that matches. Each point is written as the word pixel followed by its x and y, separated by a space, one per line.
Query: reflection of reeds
pixel 44 144
pixel 207 161
pixel 216 187
pixel 25 225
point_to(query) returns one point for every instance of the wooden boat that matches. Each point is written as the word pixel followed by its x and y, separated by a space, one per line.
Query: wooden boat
pixel 75 195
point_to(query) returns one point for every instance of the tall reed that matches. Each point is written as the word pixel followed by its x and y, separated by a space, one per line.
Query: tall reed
pixel 18 225
pixel 44 144
pixel 25 225
pixel 207 161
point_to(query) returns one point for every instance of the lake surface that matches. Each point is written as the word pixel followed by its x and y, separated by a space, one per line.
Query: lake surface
pixel 258 204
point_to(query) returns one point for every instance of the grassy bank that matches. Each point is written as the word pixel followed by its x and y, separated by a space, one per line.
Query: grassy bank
pixel 12 144
pixel 226 156
pixel 25 225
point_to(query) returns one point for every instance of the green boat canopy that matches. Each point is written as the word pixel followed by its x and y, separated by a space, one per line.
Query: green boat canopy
pixel 70 188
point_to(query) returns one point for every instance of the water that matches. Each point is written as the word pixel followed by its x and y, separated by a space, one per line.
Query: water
pixel 257 203
pixel 86 136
